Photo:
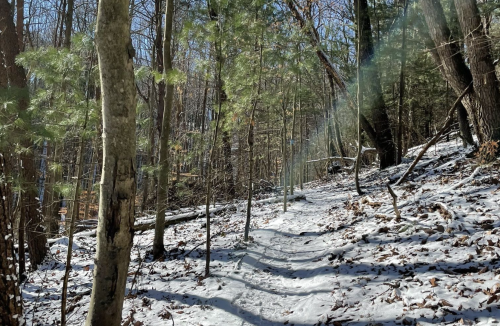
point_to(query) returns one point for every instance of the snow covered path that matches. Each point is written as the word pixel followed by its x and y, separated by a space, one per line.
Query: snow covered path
pixel 335 258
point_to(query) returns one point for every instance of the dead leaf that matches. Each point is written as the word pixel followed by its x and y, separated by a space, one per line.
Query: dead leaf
pixel 494 297
pixel 433 282
pixel 495 288
pixel 483 270
pixel 445 303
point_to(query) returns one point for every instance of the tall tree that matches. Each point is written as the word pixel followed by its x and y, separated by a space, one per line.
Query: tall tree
pixel 402 86
pixel 214 15
pixel 11 309
pixel 30 208
pixel 373 100
pixel 164 162
pixel 454 68
pixel 118 181
pixel 378 130
pixel 482 68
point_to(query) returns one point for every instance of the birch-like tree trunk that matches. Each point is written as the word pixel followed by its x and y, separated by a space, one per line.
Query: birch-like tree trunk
pixel 118 181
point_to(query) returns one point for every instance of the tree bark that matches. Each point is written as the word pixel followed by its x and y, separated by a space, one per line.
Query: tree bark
pixel 118 182
pixel 360 32
pixel 164 161
pixel 69 24
pixel 402 86
pixel 251 139
pixel 451 60
pixel 482 68
pixel 222 98
pixel 374 104
pixel 11 309
pixel 17 78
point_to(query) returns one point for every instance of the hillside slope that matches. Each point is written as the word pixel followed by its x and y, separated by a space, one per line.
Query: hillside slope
pixel 335 258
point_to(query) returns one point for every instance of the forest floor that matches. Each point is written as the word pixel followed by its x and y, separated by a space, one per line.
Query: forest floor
pixel 335 258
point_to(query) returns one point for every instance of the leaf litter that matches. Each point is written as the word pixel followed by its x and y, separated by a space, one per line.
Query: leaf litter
pixel 335 258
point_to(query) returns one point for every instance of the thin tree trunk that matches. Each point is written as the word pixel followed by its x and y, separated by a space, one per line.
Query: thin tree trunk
pixel 402 86
pixel 292 141
pixel 209 176
pixel 118 181
pixel 72 218
pixel 159 61
pixel 164 162
pixel 90 182
pixel 284 162
pixel 360 76
pixel 250 141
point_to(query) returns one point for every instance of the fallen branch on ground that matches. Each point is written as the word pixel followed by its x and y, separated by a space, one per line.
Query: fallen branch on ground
pixel 434 139
pixel 334 158
pixel 394 203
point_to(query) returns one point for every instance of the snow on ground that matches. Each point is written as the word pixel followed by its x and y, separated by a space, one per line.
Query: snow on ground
pixel 335 258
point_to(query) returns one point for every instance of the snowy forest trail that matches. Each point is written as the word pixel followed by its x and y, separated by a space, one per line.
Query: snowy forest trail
pixel 335 258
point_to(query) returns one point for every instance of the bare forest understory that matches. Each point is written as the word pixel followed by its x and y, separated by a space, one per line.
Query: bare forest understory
pixel 334 258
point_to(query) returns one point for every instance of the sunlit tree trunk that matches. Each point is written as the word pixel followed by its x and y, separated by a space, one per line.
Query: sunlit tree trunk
pixel 118 181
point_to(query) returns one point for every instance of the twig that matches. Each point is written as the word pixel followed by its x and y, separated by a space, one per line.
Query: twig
pixel 394 203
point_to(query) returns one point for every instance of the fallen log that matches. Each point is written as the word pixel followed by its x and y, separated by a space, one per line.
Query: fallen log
pixel 334 158
pixel 149 224
pixel 172 220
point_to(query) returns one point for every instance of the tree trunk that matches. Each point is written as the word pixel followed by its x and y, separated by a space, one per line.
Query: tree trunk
pixel 482 68
pixel 164 162
pixel 402 86
pixel 447 55
pixel 250 141
pixel 73 216
pixel 159 61
pixel 360 32
pixel 373 101
pixel 30 207
pixel 11 309
pixel 283 160
pixel 118 182
pixel 292 140
pixel 380 133
pixel 69 24
pixel 90 183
